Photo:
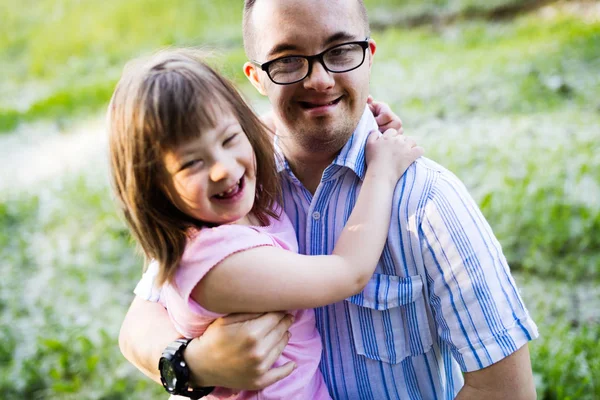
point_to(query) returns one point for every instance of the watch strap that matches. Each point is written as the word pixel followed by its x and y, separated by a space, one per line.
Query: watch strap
pixel 173 354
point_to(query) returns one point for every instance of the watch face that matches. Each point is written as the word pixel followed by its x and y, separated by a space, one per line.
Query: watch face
pixel 168 376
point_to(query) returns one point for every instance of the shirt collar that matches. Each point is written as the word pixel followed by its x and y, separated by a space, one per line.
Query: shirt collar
pixel 351 156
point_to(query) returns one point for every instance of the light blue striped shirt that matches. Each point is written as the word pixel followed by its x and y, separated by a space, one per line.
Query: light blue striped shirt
pixel 442 300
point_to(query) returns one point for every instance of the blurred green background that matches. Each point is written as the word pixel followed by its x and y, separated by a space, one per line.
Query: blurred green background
pixel 505 93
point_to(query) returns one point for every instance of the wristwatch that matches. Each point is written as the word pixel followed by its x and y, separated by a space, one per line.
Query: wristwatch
pixel 175 374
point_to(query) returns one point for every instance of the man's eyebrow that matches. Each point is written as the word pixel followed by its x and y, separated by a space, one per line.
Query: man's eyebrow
pixel 280 48
pixel 336 37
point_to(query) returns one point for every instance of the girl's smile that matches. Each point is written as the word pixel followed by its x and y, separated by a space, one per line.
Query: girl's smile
pixel 213 177
pixel 232 194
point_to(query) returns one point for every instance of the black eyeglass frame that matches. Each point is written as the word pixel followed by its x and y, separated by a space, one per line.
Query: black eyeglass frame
pixel 319 57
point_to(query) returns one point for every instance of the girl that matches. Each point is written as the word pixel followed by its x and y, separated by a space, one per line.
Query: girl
pixel 194 172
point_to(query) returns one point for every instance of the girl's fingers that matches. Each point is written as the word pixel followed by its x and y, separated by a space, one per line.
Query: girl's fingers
pixel 417 151
pixel 390 133
pixel 391 125
pixel 410 141
pixel 372 136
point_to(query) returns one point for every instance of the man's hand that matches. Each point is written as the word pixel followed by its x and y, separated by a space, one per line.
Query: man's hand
pixel 509 378
pixel 238 351
pixel 384 116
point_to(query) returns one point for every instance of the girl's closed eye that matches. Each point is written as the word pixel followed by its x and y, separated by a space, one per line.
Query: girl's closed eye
pixel 230 139
pixel 191 163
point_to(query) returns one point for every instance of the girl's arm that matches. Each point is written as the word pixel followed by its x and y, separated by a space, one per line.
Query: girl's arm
pixel 267 278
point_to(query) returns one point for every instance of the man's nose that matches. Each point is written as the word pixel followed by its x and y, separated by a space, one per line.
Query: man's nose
pixel 319 78
pixel 219 171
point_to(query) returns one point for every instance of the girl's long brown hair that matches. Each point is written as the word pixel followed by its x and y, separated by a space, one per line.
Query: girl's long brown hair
pixel 158 105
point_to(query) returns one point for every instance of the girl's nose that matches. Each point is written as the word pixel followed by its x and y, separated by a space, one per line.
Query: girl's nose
pixel 218 172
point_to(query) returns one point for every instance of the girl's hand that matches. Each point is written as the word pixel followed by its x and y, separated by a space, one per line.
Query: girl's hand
pixel 385 117
pixel 390 154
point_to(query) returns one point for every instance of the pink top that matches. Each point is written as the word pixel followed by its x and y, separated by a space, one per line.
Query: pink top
pixel 207 249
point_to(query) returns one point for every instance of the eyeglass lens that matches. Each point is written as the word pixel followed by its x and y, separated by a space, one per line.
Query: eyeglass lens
pixel 337 59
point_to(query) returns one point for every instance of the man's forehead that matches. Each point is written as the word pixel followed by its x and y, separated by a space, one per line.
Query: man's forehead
pixel 289 44
pixel 282 25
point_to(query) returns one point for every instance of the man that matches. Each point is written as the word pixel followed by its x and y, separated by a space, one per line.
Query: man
pixel 442 301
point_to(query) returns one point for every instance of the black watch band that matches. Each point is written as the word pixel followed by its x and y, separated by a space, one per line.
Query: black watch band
pixel 175 373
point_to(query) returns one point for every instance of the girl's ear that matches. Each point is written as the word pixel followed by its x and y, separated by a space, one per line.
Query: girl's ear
pixel 251 72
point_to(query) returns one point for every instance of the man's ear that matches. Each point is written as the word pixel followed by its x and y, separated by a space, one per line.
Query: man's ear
pixel 372 48
pixel 251 72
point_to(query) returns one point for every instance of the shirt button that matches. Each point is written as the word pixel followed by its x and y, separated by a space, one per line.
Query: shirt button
pixel 316 215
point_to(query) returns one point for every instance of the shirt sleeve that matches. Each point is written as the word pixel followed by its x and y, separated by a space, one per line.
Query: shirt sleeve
pixel 209 248
pixel 146 288
pixel 476 304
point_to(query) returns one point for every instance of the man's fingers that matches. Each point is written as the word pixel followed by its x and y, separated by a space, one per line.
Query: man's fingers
pixel 275 375
pixel 388 120
pixel 235 318
pixel 276 351
pixel 276 323
pixel 383 117
pixel 375 107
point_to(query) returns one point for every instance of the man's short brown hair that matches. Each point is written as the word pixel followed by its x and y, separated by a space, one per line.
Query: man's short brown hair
pixel 248 29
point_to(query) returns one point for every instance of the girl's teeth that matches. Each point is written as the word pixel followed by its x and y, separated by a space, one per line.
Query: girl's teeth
pixel 228 191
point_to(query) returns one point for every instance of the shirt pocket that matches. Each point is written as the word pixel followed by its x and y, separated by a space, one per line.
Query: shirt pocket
pixel 389 318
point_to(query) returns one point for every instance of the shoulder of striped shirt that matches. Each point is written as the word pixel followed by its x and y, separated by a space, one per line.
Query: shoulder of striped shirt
pixel 428 175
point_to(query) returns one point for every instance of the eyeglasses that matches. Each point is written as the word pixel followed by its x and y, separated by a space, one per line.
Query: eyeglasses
pixel 343 57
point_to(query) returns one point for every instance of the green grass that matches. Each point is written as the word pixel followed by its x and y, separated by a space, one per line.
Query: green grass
pixel 68 266
pixel 498 68
pixel 68 54
pixel 62 58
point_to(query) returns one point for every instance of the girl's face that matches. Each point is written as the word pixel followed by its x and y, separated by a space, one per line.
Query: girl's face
pixel 212 178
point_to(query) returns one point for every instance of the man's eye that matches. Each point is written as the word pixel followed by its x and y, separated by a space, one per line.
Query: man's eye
pixel 290 60
pixel 337 52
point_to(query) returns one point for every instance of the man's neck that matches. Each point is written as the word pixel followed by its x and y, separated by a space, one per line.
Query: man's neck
pixel 307 167
pixel 309 172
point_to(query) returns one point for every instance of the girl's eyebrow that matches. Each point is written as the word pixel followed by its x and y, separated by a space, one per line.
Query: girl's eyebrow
pixel 226 128
pixel 189 149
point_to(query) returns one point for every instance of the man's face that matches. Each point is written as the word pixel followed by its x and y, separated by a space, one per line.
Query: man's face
pixel 319 113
